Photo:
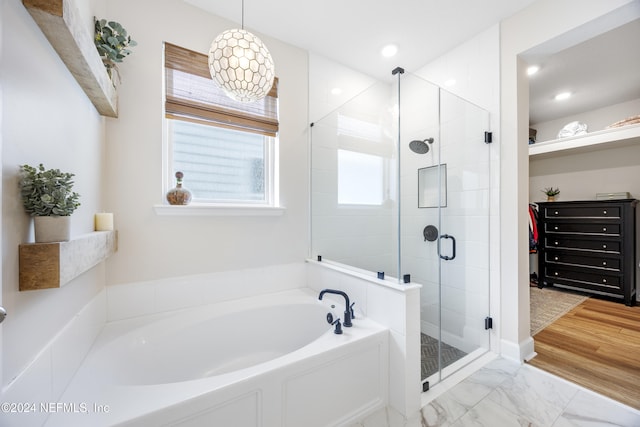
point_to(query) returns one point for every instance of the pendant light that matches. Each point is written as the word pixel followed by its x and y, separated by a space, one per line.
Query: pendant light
pixel 241 65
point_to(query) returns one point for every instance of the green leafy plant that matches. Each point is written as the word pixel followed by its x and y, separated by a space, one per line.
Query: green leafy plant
pixel 112 41
pixel 550 191
pixel 47 192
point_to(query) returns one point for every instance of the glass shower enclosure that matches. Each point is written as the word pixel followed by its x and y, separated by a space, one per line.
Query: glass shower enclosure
pixel 400 187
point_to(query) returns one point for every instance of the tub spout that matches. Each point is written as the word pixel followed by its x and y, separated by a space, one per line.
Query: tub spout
pixel 348 308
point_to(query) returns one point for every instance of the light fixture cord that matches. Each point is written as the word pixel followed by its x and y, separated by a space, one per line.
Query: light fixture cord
pixel 242 19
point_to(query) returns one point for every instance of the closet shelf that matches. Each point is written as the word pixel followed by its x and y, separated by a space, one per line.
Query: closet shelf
pixel 592 141
pixel 60 22
pixel 52 265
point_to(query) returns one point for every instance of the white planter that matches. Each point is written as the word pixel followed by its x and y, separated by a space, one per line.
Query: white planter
pixel 52 228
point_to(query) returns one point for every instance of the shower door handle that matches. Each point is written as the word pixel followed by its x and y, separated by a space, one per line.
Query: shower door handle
pixel 453 241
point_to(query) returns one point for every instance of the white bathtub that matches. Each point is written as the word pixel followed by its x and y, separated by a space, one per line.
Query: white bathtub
pixel 263 361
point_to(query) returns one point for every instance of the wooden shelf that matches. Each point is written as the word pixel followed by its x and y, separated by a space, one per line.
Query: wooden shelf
pixel 593 141
pixel 60 22
pixel 52 265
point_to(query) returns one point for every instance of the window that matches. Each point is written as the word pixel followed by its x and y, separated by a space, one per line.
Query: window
pixel 360 178
pixel 226 149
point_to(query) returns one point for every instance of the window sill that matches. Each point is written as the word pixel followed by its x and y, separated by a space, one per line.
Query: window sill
pixel 218 210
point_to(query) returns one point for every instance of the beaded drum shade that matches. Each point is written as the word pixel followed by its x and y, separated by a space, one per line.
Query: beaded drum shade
pixel 241 65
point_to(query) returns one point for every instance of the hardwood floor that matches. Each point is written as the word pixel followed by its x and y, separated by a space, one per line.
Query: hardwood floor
pixel 596 345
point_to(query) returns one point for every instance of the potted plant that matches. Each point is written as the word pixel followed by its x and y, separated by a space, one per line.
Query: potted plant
pixel 551 193
pixel 112 40
pixel 48 197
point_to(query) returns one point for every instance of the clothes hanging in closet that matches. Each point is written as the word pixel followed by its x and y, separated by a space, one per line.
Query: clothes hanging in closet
pixel 533 228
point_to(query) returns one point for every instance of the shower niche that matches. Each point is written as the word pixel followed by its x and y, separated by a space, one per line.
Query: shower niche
pixel 377 162
pixel 432 186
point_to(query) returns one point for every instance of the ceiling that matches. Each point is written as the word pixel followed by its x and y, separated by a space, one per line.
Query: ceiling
pixel 601 71
pixel 353 32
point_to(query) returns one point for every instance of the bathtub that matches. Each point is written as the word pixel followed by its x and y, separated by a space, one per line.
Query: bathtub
pixel 265 361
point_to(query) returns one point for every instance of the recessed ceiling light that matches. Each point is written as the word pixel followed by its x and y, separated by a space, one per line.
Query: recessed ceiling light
pixel 389 50
pixel 562 96
pixel 533 69
pixel 336 91
pixel 450 82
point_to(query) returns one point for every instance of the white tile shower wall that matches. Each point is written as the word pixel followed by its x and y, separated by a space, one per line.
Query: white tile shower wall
pixel 46 377
pixel 142 298
pixel 466 216
pixel 394 306
pixel 359 235
pixel 475 67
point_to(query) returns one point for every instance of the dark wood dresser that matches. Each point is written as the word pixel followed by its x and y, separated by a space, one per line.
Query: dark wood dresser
pixel 589 246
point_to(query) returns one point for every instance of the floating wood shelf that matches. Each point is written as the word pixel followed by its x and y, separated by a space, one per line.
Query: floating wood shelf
pixel 52 265
pixel 60 22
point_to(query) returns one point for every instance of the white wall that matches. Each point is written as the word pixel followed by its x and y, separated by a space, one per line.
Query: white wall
pixel 152 246
pixel 545 20
pixel 581 176
pixel 46 118
pixel 331 85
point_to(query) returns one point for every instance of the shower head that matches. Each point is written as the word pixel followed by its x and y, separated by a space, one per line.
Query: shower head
pixel 420 147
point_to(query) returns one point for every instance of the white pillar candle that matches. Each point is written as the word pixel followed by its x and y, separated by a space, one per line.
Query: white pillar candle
pixel 104 221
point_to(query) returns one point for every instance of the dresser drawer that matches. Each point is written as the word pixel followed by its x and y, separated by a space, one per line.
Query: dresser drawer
pixel 590 245
pixel 609 229
pixel 603 281
pixel 612 263
pixel 570 242
pixel 582 212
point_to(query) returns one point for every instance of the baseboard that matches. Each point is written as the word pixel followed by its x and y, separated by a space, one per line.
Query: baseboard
pixel 518 352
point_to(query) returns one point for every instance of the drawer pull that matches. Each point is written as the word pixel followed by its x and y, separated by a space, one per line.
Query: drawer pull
pixel 604 280
pixel 604 212
pixel 604 262
pixel 555 213
pixel 555 274
pixel 555 258
pixel 555 228
pixel 604 228
pixel 555 243
pixel 604 246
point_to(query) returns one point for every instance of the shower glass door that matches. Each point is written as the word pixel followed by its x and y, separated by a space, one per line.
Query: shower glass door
pixel 445 193
pixel 464 254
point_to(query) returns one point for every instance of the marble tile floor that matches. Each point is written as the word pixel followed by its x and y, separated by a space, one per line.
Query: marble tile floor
pixel 506 394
